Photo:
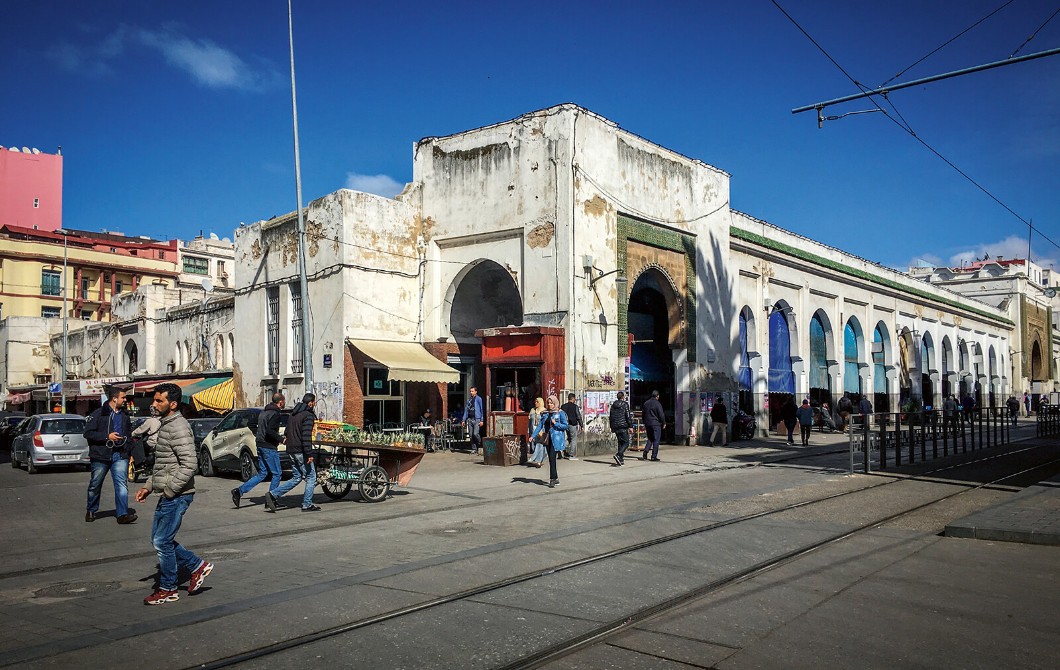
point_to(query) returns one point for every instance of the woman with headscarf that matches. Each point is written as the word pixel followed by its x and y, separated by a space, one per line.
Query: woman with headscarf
pixel 553 422
pixel 537 455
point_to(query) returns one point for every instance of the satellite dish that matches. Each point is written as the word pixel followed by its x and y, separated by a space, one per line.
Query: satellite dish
pixel 213 236
pixel 207 285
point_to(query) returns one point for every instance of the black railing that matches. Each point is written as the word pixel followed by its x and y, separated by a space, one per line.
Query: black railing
pixel 899 438
pixel 1047 423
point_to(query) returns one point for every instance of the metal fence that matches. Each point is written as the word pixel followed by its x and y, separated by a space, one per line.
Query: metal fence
pixel 892 439
pixel 1048 421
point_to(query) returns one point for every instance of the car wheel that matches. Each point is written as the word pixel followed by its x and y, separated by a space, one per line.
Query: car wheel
pixel 247 467
pixel 30 467
pixel 14 461
pixel 206 468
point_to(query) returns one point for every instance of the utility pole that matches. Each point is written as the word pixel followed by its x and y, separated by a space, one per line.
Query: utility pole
pixel 63 381
pixel 307 346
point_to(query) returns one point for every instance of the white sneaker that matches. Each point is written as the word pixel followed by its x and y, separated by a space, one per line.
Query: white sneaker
pixel 571 458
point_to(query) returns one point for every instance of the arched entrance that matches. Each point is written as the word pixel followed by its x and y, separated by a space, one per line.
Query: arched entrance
pixel 1037 363
pixel 947 367
pixel 653 318
pixel 746 376
pixel 927 355
pixel 132 359
pixel 881 347
pixel 820 350
pixel 853 340
pixel 781 384
pixel 485 295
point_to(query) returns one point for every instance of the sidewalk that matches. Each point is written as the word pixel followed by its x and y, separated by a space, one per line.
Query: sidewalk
pixel 1032 516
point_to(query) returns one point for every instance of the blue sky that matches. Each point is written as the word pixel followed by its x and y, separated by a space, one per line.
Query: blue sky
pixel 175 117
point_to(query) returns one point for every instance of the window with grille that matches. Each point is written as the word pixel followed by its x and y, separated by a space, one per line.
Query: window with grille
pixel 51 312
pixel 297 332
pixel 196 266
pixel 86 286
pixel 50 282
pixel 273 296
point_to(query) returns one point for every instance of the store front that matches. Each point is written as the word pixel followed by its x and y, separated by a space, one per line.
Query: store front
pixel 386 376
pixel 522 363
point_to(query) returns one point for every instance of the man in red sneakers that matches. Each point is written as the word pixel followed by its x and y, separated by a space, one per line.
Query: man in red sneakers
pixel 173 477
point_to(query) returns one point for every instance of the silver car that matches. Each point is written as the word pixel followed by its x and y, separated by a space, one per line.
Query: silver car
pixel 48 440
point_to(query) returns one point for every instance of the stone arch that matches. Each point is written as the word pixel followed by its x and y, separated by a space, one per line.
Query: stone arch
pixel 748 338
pixel 188 360
pixel 482 295
pixel 655 320
pixel 853 358
pixel 230 350
pixel 992 376
pixel 1038 367
pixel 927 365
pixel 219 351
pixel 821 357
pixel 655 277
pixel 883 368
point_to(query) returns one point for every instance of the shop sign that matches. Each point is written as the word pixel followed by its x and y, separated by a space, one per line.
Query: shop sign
pixel 327 360
pixel 97 386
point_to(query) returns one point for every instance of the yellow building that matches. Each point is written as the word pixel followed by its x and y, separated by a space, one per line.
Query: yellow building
pixel 98 267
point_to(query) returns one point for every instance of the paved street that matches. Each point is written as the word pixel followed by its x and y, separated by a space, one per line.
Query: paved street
pixel 899 595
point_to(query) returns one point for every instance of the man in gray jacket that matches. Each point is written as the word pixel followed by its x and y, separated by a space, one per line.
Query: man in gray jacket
pixel 173 478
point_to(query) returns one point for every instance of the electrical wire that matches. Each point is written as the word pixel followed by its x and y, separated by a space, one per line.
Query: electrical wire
pixel 947 42
pixel 910 131
pixel 1035 33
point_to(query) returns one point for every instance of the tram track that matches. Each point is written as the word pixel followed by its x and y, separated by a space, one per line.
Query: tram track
pixel 229 543
pixel 620 624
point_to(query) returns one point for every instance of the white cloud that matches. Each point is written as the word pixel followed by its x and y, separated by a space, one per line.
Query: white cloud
pixel 379 184
pixel 208 63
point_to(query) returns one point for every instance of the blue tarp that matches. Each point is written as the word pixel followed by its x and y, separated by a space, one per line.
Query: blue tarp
pixel 647 364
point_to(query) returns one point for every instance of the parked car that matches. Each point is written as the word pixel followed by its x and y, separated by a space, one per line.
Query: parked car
pixel 8 423
pixel 48 440
pixel 230 446
pixel 200 428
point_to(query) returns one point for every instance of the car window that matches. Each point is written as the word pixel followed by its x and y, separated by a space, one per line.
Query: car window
pixel 62 426
pixel 25 425
pixel 227 423
pixel 202 428
pixel 248 420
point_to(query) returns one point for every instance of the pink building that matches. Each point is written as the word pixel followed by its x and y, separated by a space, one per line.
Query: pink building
pixel 31 189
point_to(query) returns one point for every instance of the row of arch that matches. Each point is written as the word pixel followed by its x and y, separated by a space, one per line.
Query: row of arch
pixel 899 366
pixel 219 348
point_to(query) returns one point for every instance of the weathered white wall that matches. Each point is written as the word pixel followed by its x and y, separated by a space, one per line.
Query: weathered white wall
pixel 792 277
pixel 362 264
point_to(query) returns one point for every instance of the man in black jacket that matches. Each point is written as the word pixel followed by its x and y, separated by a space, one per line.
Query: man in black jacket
pixel 654 421
pixel 299 440
pixel 574 423
pixel 108 431
pixel 620 420
pixel 267 440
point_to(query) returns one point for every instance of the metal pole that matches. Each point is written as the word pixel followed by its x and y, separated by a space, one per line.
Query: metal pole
pixel 883 90
pixel 303 287
pixel 63 382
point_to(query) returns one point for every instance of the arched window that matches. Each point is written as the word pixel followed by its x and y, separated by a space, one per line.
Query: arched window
pixel 781 377
pixel 851 358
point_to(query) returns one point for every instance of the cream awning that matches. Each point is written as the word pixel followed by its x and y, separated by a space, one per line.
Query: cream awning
pixel 407 361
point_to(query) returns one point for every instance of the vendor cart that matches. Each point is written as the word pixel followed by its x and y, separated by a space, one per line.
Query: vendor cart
pixel 373 467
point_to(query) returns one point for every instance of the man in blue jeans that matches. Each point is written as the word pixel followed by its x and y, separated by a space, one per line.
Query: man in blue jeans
pixel 299 440
pixel 108 431
pixel 267 440
pixel 173 478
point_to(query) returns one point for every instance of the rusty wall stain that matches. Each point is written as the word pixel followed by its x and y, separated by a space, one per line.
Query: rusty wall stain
pixel 541 236
pixel 256 250
pixel 596 207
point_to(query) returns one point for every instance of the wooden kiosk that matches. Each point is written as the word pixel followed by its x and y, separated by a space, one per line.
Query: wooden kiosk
pixel 522 363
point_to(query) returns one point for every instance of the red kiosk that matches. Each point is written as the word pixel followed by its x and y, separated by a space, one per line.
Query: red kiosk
pixel 522 363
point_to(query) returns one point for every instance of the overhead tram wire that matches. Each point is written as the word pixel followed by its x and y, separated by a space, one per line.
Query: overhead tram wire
pixel 866 93
pixel 1035 33
pixel 947 43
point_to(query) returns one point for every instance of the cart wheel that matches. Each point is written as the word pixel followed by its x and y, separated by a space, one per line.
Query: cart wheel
pixel 335 490
pixel 374 484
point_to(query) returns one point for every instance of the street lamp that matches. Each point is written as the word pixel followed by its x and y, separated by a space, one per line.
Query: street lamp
pixel 64 233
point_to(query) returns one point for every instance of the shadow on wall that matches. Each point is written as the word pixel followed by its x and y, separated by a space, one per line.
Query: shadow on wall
pixel 718 350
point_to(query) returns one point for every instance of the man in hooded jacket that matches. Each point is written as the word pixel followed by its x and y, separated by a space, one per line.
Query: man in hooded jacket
pixel 299 440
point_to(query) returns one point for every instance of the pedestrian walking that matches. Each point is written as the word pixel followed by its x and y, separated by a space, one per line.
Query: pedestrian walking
pixel 108 434
pixel 552 428
pixel 654 421
pixel 173 478
pixel 1013 408
pixel 1027 403
pixel 788 414
pixel 846 408
pixel 620 422
pixel 473 420
pixel 719 416
pixel 804 415
pixel 574 419
pixel 949 415
pixel 865 407
pixel 267 441
pixel 299 439
pixel 536 438
pixel 968 405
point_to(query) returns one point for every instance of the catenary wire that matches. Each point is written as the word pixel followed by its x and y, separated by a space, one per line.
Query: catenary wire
pixel 1035 33
pixel 947 42
pixel 913 134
